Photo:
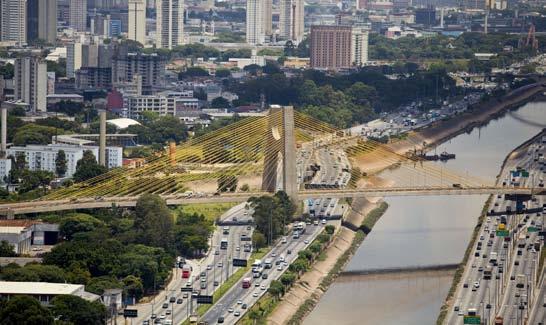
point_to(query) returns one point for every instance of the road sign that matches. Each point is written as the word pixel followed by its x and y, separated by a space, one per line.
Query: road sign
pixel 239 262
pixel 204 299
pixel 130 313
pixel 532 229
pixel 186 289
pixel 503 233
pixel 472 320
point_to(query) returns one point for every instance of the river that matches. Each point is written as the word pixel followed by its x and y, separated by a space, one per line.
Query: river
pixel 421 231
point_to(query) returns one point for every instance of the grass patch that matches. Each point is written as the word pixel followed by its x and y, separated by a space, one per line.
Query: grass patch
pixel 233 279
pixel 257 315
pixel 460 270
pixel 211 211
pixel 322 256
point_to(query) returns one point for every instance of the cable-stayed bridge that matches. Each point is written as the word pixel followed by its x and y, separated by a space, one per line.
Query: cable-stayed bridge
pixel 260 152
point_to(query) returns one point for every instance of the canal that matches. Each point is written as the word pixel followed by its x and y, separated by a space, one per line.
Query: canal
pixel 422 231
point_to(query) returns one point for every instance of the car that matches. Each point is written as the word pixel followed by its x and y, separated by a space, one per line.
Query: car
pixel 512 278
pixel 209 267
pixel 480 269
pixel 165 306
pixel 179 301
pixel 157 321
pixel 277 262
pixel 284 240
pixel 237 248
pixel 185 295
pixel 516 262
pixel 257 283
pixel 154 316
pixel 255 294
pixel 323 221
pixel 230 310
pixel 168 312
pixel 220 320
pixel 476 284
pixel 262 287
pixel 264 276
pixel 220 264
pixel 203 285
pixel 203 274
pixel 239 302
pixel 194 293
pixel 279 268
pixel 216 283
pixel 460 313
pixel 465 285
pixel 316 222
pixel 456 308
pixel 237 313
pixel 172 299
pixel 204 279
pixel 306 242
pixel 289 252
pixel 481 237
pixel 146 322
pixel 273 254
pixel 216 252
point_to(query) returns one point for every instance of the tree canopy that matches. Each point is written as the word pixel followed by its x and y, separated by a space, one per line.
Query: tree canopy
pixel 88 167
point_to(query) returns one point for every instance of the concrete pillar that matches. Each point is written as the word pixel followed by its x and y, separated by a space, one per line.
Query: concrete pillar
pixel 102 138
pixel 4 135
pixel 290 175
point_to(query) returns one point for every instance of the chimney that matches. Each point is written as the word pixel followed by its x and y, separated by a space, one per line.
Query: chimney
pixel 102 138
pixel 4 136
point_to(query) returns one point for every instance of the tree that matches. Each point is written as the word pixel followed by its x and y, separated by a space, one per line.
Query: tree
pixel 276 289
pixel 7 249
pixel 258 240
pixel 287 279
pixel 76 310
pixel 24 310
pixel 330 229
pixel 33 179
pixel 153 221
pixel 219 102
pixel 222 73
pixel 87 167
pixel 133 286
pixel 227 183
pixel 79 222
pixel 60 163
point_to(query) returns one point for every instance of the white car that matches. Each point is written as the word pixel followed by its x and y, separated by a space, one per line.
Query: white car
pixel 476 284
pixel 262 287
pixel 279 268
pixel 323 221
pixel 306 241
pixel 255 294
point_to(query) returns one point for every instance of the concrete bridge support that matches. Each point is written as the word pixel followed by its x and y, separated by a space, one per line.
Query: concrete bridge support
pixel 287 144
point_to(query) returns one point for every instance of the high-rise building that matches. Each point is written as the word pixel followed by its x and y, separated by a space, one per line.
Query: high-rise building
pixel 30 82
pixel 291 20
pixel 338 47
pixel 359 46
pixel 78 15
pixel 42 20
pixel 255 21
pixel 169 23
pixel 14 21
pixel 149 67
pixel 137 21
pixel 268 17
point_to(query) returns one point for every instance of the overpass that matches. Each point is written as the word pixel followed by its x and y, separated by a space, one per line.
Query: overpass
pixel 130 201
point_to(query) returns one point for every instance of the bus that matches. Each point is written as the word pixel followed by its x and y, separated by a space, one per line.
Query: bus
pixel 246 283
pixel 487 272
pixel 223 243
pixel 186 271
pixel 300 227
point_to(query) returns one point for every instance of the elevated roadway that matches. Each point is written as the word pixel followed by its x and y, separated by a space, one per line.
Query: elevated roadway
pixel 130 201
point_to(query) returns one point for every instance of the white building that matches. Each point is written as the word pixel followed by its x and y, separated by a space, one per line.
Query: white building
pixel 5 167
pixel 359 46
pixel 169 23
pixel 42 157
pixel 291 15
pixel 30 82
pixel 44 292
pixel 78 15
pixel 14 21
pixel 255 27
pixel 171 103
pixel 137 21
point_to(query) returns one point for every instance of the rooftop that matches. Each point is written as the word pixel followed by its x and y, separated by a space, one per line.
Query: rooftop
pixel 44 288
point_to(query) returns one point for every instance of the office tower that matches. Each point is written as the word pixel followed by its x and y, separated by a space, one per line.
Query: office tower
pixel 14 21
pixel 42 20
pixel 78 15
pixel 137 21
pixel 149 67
pixel 291 20
pixel 255 21
pixel 169 23
pixel 30 82
pixel 359 46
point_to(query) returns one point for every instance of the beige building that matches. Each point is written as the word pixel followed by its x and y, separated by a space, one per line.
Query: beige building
pixel 13 27
pixel 169 23
pixel 338 47
pixel 137 21
pixel 30 82
pixel 255 15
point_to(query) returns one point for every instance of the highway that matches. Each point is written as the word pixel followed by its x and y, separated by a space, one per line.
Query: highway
pixel 178 310
pixel 538 312
pixel 512 261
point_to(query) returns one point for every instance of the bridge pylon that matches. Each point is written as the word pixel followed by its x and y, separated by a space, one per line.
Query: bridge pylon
pixel 281 131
